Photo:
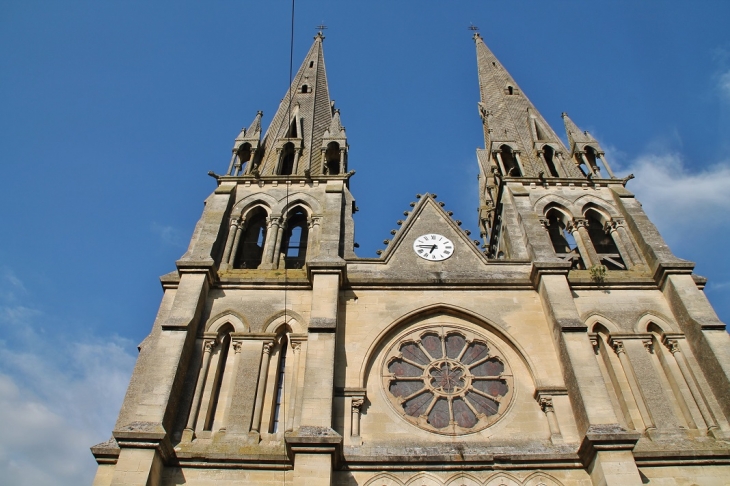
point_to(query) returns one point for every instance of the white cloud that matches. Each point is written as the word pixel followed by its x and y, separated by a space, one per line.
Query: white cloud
pixel 58 395
pixel 676 198
pixel 168 234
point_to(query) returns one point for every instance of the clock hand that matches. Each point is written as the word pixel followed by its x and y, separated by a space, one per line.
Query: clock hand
pixel 433 248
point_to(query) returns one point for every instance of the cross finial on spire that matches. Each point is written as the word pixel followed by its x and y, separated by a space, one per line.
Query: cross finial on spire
pixel 321 27
pixel 474 29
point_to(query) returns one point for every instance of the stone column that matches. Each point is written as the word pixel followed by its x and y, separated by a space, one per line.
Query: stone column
pixel 342 161
pixel 619 348
pixel 602 156
pixel 593 168
pixel 189 431
pixel 611 228
pixel 498 156
pixel 541 156
pixel 240 228
pixel 230 242
pixel 357 402
pixel 277 245
pixel 518 159
pixel 233 160
pixel 546 404
pixel 261 388
pixel 249 167
pixel 233 366
pixel 272 230
pixel 297 154
pixel 237 166
pixel 673 347
pixel 619 232
pixel 323 160
pixel 296 347
pixel 579 229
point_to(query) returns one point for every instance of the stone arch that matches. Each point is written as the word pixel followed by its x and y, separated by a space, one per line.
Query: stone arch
pixel 540 478
pixel 553 200
pixel 588 201
pixel 384 479
pixel 503 479
pixel 424 479
pixel 596 319
pixel 239 323
pixel 309 203
pixel 248 202
pixel 291 319
pixel 376 347
pixel 649 318
pixel 463 479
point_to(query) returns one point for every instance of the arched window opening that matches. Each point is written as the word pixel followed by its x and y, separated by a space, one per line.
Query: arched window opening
pixel 251 246
pixel 305 88
pixel 512 169
pixel 287 158
pixel 279 391
pixel 563 241
pixel 592 157
pixel 293 132
pixel 244 156
pixel 603 243
pixel 510 90
pixel 549 155
pixel 295 239
pixel 332 158
pixel 216 380
pixel 311 63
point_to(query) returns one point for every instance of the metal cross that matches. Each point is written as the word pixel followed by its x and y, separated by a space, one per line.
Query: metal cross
pixel 321 27
pixel 473 27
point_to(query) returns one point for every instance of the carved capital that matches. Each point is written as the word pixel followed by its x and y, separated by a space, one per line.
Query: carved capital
pixel 545 223
pixel 296 346
pixel 594 343
pixel 648 344
pixel 578 223
pixel 546 404
pixel 357 402
pixel 672 345
pixel 267 347
pixel 208 345
pixel 618 346
pixel 237 346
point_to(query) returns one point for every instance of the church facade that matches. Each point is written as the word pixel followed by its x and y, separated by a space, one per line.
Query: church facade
pixel 568 346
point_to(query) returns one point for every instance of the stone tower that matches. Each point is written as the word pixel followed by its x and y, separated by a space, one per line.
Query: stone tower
pixel 569 347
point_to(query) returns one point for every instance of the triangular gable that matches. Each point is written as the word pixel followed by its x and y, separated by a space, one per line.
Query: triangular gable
pixel 428 217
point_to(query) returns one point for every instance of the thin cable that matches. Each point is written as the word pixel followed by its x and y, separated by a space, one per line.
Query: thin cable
pixel 286 274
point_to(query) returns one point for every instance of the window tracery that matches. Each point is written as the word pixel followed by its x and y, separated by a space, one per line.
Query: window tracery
pixel 447 380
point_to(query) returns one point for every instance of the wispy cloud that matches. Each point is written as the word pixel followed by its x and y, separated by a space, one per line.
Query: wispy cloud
pixel 168 235
pixel 675 197
pixel 723 85
pixel 58 395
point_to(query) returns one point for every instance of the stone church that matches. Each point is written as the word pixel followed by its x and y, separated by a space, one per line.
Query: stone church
pixel 568 346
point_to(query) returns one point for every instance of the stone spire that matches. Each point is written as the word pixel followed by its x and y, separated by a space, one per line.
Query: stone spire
pixel 303 116
pixel 509 118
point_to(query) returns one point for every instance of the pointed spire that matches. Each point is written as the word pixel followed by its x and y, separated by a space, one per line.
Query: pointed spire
pixel 585 148
pixel 510 119
pixel 255 129
pixel 302 118
pixel 335 130
pixel 575 134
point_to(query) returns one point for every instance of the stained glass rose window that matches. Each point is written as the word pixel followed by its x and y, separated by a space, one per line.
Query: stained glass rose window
pixel 447 380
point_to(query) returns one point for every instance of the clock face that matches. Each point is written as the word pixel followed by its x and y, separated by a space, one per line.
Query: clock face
pixel 433 247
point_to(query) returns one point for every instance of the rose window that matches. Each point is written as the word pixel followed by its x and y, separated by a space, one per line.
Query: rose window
pixel 449 380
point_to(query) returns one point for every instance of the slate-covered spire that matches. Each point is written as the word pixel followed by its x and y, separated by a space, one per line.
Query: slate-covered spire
pixel 517 138
pixel 293 140
pixel 584 148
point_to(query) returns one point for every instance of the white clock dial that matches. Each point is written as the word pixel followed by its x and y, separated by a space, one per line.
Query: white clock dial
pixel 433 247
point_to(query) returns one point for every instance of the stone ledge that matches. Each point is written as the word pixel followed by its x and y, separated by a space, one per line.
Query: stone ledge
pixel 608 437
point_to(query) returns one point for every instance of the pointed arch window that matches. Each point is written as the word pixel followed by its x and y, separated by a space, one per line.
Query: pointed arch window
pixel 593 158
pixel 511 167
pixel 244 158
pixel 305 88
pixel 286 163
pixel 295 242
pixel 549 155
pixel 251 246
pixel 332 158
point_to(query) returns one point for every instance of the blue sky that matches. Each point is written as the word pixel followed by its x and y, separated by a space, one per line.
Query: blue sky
pixel 112 113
